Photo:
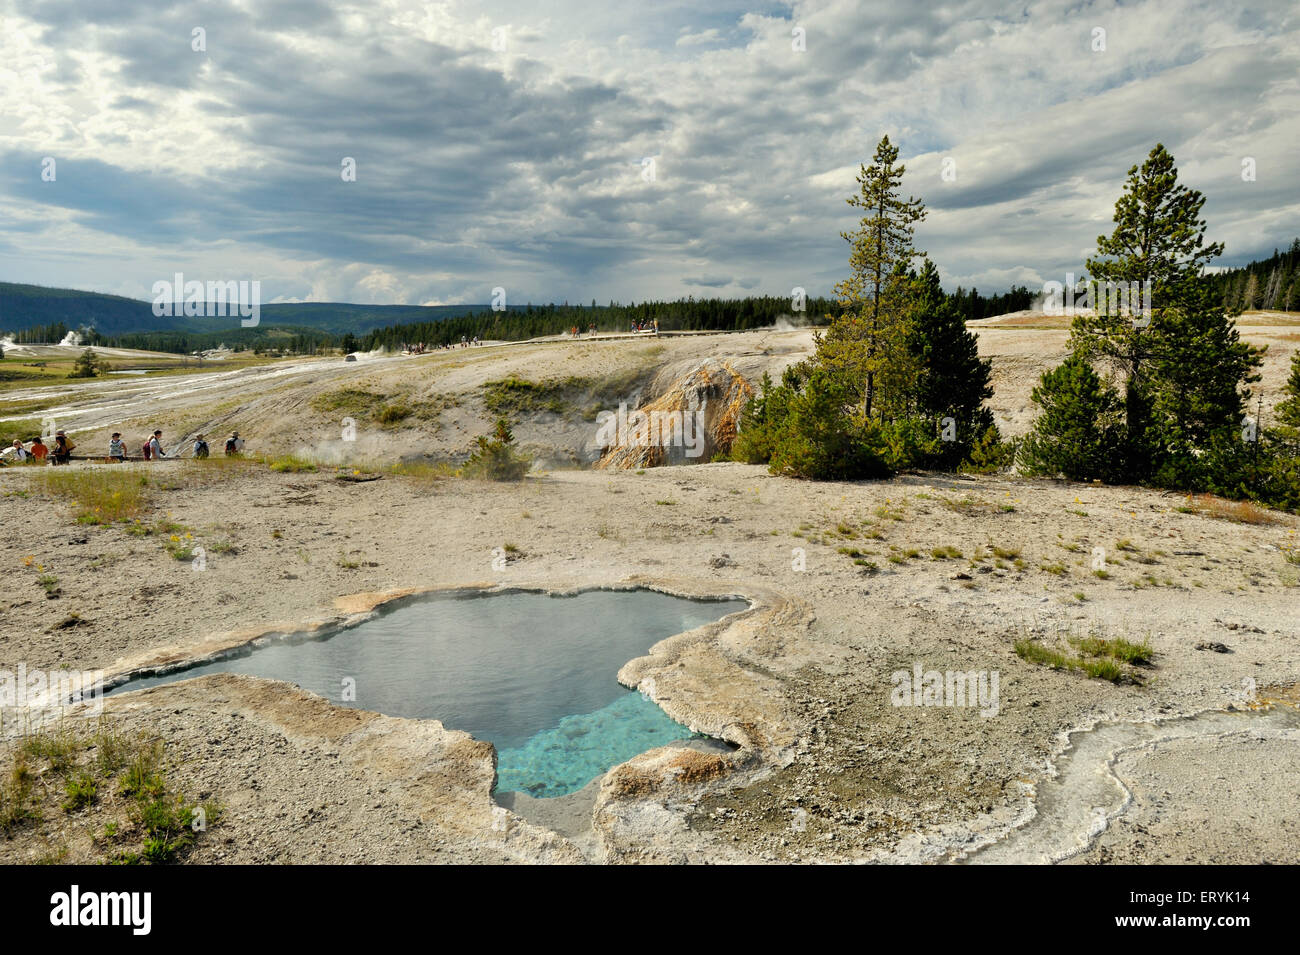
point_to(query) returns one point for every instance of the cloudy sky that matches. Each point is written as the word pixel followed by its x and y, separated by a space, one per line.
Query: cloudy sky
pixel 507 144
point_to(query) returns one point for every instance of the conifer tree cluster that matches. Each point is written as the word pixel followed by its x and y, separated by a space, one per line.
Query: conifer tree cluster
pixel 1159 397
pixel 1164 398
pixel 896 380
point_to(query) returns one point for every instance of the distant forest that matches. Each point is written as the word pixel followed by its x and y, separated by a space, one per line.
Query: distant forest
pixel 689 314
pixel 265 338
pixel 1272 283
pixel 516 323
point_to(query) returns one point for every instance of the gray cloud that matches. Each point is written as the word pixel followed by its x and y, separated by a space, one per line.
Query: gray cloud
pixel 522 168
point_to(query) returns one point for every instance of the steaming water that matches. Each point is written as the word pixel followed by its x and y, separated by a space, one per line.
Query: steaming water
pixel 534 674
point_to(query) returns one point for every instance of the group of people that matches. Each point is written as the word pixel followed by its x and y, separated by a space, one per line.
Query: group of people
pixel 419 348
pixel 652 325
pixel 60 452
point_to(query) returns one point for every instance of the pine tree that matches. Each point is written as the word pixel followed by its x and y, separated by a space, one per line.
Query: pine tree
pixel 1184 374
pixel 867 344
pixel 86 366
pixel 817 440
pixel 953 381
pixel 1288 410
pixel 1158 239
pixel 1078 434
pixel 1200 394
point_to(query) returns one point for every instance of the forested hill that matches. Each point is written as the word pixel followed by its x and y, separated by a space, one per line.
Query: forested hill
pixel 34 312
pixel 35 308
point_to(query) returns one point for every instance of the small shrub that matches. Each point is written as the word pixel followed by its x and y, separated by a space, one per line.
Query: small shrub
pixel 496 458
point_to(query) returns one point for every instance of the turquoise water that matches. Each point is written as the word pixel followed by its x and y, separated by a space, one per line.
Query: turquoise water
pixel 532 673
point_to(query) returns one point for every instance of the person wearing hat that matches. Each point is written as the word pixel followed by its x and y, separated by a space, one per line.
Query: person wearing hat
pixel 234 444
pixel 200 447
pixel 116 449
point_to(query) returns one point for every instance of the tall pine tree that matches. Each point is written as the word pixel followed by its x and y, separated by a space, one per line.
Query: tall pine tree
pixel 1185 373
pixel 868 342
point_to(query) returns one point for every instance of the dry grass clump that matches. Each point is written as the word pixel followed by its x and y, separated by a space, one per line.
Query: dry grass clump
pixel 1240 512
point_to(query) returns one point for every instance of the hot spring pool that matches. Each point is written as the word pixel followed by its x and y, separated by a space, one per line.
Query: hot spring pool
pixel 532 673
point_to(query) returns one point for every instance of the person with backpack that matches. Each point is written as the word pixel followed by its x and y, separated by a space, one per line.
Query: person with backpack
pixel 155 447
pixel 62 448
pixel 116 449
pixel 200 447
pixel 234 444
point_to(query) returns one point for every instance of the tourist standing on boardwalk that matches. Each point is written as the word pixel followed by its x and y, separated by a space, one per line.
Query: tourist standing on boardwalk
pixel 155 446
pixel 116 449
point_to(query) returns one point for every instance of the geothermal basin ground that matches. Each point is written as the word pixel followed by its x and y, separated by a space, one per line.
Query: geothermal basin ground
pixel 1187 755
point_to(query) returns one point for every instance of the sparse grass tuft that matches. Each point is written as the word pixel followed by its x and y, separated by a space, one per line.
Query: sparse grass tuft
pixel 81 789
pixel 390 416
pixel 291 464
pixel 1097 657
pixel 1032 651
pixel 1117 649
pixel 74 766
pixel 101 496
pixel 424 471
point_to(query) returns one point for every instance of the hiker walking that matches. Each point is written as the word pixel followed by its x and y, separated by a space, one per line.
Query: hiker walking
pixel 155 447
pixel 200 447
pixel 116 448
pixel 234 444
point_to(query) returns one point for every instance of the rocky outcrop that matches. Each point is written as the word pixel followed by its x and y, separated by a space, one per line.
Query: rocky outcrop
pixel 690 422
